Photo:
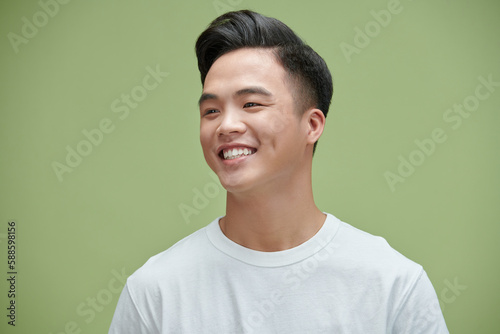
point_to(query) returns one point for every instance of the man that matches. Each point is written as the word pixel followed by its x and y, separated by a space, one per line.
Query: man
pixel 274 263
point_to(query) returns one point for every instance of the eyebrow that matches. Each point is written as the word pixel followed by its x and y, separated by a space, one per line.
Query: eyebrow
pixel 244 91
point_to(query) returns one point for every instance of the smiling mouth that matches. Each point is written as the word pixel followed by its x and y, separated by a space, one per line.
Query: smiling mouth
pixel 234 153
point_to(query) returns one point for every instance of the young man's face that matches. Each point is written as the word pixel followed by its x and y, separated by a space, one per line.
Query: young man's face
pixel 252 136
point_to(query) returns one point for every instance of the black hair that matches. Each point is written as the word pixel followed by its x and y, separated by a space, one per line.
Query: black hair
pixel 307 71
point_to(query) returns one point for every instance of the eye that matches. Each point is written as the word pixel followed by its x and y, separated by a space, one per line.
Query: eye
pixel 210 111
pixel 250 104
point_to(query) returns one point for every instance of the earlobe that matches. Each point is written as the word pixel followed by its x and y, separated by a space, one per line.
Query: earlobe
pixel 316 124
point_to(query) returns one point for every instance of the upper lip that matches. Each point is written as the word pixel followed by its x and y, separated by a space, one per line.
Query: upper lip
pixel 232 146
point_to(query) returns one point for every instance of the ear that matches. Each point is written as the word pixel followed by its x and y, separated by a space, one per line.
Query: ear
pixel 315 125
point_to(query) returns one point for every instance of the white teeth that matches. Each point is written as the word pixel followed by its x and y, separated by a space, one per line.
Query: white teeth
pixel 237 153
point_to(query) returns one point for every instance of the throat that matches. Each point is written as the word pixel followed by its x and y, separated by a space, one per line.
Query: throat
pixel 270 232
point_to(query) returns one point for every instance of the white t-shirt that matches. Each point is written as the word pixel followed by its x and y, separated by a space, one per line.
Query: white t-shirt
pixel 342 280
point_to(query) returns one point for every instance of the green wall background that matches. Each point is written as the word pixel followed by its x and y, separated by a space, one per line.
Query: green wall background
pixel 79 235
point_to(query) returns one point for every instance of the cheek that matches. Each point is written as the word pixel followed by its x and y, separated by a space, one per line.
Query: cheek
pixel 206 134
pixel 281 127
pixel 277 126
pixel 205 141
pixel 207 147
pixel 272 126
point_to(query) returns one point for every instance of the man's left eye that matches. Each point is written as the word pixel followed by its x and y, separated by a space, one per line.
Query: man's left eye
pixel 250 104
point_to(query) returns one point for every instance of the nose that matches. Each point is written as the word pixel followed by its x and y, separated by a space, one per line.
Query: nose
pixel 231 123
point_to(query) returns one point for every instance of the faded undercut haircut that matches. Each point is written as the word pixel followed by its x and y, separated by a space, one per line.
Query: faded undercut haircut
pixel 306 70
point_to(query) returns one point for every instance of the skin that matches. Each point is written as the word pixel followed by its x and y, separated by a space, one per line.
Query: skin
pixel 246 102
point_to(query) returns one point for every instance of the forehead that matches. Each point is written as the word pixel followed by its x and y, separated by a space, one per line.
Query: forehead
pixel 245 67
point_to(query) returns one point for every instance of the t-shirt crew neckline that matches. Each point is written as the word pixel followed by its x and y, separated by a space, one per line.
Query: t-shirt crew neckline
pixel 273 259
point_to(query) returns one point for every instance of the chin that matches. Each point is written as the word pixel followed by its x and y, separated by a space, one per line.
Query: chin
pixel 234 183
pixel 231 184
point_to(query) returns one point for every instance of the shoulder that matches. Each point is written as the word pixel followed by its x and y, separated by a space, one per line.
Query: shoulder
pixel 160 277
pixel 173 263
pixel 362 254
pixel 371 249
pixel 384 274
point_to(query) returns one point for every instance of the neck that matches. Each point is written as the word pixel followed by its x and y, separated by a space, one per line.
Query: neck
pixel 276 220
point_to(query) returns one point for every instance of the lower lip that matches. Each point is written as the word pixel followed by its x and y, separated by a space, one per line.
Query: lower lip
pixel 230 162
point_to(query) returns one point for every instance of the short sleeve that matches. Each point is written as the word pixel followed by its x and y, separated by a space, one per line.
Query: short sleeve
pixel 127 319
pixel 420 312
